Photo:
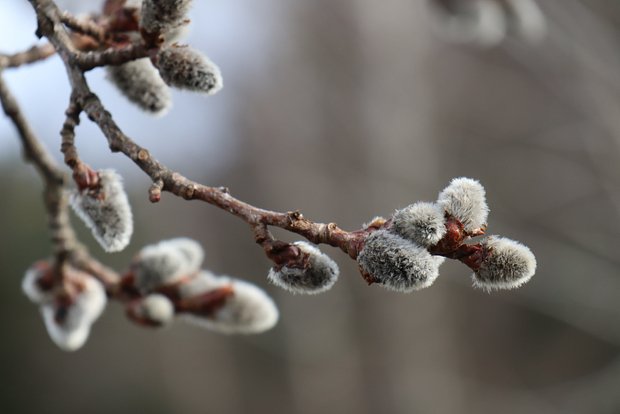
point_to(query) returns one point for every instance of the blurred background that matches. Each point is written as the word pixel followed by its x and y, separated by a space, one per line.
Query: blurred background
pixel 347 109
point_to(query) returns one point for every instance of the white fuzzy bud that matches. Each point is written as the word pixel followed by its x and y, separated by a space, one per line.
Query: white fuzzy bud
pixel 465 199
pixel 422 223
pixel 160 16
pixel 506 264
pixel 397 263
pixel 185 68
pixel 106 211
pixel 247 311
pixel 157 309
pixel 165 263
pixel 140 82
pixel 319 274
pixel 30 283
pixel 190 249
pixel 69 325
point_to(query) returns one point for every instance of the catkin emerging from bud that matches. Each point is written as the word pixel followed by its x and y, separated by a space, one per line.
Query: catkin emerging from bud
pixel 140 82
pixel 397 263
pixel 106 211
pixel 465 199
pixel 422 223
pixel 166 263
pixel 318 275
pixel 249 310
pixel 185 68
pixel 160 16
pixel 507 264
pixel 68 324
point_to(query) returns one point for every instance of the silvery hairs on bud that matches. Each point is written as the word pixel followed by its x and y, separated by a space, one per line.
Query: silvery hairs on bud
pixel 248 311
pixel 72 329
pixel 157 309
pixel 507 264
pixel 422 223
pixel 140 82
pixel 165 263
pixel 161 16
pixel 320 274
pixel 107 213
pixel 465 199
pixel 398 264
pixel 185 68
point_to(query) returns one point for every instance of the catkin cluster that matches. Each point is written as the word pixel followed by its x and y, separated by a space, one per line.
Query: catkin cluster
pixel 169 277
pixel 165 281
pixel 145 82
pixel 398 255
pixel 69 305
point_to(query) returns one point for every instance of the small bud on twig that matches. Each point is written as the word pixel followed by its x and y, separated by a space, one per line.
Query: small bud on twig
pixel 140 82
pixel 506 264
pixel 186 68
pixel 105 210
pixel 397 263
pixel 422 223
pixel 314 273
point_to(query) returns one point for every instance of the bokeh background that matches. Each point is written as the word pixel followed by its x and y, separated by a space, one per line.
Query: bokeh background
pixel 347 109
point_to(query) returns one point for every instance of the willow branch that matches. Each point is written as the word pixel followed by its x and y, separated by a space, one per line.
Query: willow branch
pixel 165 179
pixel 32 55
pixel 66 245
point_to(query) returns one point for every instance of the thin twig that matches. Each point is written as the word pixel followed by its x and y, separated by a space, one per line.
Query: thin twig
pixel 34 54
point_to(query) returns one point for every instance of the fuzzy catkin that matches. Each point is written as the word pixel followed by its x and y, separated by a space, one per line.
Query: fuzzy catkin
pixel 157 309
pixel 248 311
pixel 319 275
pixel 507 264
pixel 69 325
pixel 158 265
pixel 30 283
pixel 106 212
pixel 185 68
pixel 140 82
pixel 161 16
pixel 465 199
pixel 397 263
pixel 191 251
pixel 422 223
